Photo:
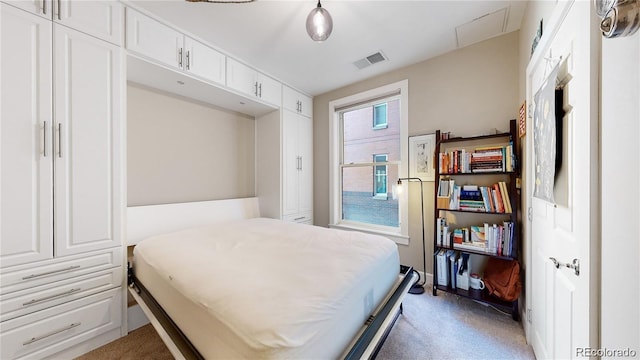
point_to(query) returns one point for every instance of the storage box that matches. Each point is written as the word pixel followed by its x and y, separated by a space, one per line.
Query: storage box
pixel 442 202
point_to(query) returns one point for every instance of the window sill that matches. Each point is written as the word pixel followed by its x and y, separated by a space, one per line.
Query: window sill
pixel 396 237
pixel 381 197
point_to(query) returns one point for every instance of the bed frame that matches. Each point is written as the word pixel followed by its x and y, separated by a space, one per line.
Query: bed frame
pixel 144 221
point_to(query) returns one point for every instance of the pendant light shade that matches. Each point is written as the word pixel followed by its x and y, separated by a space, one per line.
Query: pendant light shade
pixel 319 24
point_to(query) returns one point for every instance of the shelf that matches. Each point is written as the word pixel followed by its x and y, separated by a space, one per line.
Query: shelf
pixel 483 296
pixel 471 138
pixel 441 204
pixel 477 252
pixel 480 173
pixel 475 212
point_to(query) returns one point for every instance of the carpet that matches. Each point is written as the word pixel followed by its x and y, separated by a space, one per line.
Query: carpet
pixel 432 327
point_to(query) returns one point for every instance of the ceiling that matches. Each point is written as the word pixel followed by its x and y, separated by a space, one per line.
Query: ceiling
pixel 271 36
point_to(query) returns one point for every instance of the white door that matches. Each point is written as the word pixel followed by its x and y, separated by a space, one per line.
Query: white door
pixel 203 61
pixel 269 90
pixel 242 78
pixel 305 180
pixel 87 114
pixel 290 162
pixel 26 185
pixel 563 308
pixel 102 19
pixel 153 39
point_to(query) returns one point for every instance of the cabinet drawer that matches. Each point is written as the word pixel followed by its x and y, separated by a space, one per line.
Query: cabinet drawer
pixel 52 330
pixel 306 218
pixel 41 297
pixel 22 277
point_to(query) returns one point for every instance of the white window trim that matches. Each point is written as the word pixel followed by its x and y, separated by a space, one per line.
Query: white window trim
pixel 335 221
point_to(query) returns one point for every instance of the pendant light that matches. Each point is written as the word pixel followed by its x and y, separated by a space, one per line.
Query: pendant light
pixel 319 24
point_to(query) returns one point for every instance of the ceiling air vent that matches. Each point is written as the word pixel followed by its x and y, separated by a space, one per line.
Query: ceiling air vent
pixel 370 60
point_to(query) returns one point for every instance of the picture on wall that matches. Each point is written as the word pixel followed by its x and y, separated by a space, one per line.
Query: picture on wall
pixel 421 157
pixel 544 139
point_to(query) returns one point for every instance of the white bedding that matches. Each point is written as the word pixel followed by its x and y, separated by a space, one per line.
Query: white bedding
pixel 263 288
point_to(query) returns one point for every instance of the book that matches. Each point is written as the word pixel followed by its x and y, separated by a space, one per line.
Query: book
pixel 497 196
pixel 505 197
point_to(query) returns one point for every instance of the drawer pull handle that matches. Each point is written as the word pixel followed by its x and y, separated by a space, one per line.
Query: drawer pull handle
pixel 38 338
pixel 51 297
pixel 300 218
pixel 73 267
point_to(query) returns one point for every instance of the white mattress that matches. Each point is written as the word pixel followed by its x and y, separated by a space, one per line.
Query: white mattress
pixel 263 288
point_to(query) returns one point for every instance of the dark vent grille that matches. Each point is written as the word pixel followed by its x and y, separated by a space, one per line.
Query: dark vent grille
pixel 376 58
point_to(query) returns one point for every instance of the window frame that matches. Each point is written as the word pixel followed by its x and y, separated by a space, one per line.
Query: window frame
pixel 400 89
pixel 376 194
pixel 377 126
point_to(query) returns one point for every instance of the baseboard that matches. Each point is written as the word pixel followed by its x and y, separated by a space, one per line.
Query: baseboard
pixel 136 317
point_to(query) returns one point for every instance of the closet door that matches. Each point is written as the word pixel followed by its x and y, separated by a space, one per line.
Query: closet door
pixel 305 149
pixel 290 163
pixel 26 186
pixel 87 112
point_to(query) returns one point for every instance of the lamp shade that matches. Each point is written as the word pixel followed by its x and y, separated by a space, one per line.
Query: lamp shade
pixel 319 24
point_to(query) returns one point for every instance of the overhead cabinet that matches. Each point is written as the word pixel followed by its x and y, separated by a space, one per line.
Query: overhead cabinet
pixel 297 102
pixel 102 19
pixel 163 44
pixel 253 83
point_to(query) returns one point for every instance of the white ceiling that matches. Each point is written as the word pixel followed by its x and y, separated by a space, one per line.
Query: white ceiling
pixel 270 34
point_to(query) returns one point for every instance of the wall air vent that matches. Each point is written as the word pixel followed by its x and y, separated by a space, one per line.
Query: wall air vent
pixel 370 60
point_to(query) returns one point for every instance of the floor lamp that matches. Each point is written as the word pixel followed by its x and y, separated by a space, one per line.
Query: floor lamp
pixel 418 288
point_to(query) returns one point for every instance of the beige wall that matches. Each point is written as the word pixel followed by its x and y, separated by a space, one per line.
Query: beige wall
pixel 179 150
pixel 468 92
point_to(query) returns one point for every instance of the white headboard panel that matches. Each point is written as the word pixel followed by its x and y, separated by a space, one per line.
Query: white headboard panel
pixel 145 221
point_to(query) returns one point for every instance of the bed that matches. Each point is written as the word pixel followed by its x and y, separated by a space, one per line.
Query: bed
pixel 234 285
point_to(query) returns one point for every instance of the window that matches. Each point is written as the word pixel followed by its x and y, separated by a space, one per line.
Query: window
pixel 367 161
pixel 380 177
pixel 380 116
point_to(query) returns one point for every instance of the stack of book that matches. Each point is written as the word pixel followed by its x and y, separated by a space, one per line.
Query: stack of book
pixel 493 239
pixel 494 198
pixel 484 159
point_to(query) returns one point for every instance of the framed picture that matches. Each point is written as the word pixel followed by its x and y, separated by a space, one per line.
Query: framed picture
pixel 421 157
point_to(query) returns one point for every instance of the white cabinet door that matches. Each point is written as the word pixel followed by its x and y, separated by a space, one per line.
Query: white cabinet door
pixel 290 163
pixel 152 39
pixel 242 78
pixel 102 19
pixel 253 83
pixel 203 61
pixel 26 194
pixel 39 7
pixel 87 113
pixel 305 179
pixel 296 102
pixel 297 159
pixel 269 90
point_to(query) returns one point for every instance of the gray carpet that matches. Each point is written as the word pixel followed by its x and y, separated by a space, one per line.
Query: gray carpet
pixel 450 327
pixel 432 327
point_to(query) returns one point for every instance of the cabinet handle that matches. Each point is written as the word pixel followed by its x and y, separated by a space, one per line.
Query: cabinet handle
pixel 44 139
pixel 38 338
pixel 260 88
pixel 51 297
pixel 180 57
pixel 69 268
pixel 44 7
pixel 59 11
pixel 188 61
pixel 300 163
pixel 299 218
pixel 59 140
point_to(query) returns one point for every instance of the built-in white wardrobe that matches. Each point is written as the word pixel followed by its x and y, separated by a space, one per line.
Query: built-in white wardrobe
pixel 63 158
pixel 61 256
pixel 284 144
